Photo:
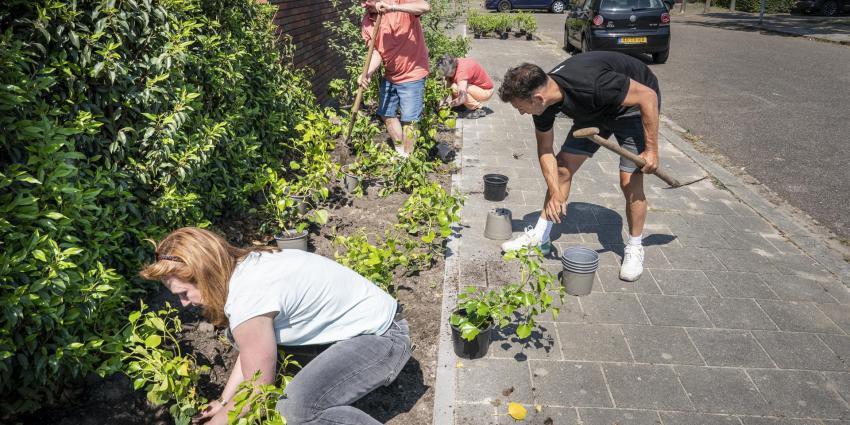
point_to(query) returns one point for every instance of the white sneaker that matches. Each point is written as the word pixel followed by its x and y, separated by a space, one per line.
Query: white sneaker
pixel 527 239
pixel 632 266
pixel 399 149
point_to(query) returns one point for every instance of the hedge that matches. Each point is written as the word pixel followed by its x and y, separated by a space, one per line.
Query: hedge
pixel 770 6
pixel 120 120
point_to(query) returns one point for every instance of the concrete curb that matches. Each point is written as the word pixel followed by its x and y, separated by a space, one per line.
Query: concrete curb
pixel 812 242
pixel 444 382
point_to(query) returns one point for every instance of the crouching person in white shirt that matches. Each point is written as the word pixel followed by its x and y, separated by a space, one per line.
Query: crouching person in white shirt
pixel 268 297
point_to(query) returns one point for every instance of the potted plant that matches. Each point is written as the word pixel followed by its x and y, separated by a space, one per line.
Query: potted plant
pixel 475 24
pixel 479 312
pixel 352 177
pixel 527 24
pixel 283 211
pixel 505 22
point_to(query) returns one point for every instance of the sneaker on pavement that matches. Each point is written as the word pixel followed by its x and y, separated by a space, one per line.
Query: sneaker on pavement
pixel 399 149
pixel 527 239
pixel 632 266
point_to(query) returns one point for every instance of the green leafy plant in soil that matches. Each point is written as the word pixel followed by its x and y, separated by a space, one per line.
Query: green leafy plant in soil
pixel 523 300
pixel 430 211
pixel 121 121
pixel 150 355
pixel 255 403
pixel 378 262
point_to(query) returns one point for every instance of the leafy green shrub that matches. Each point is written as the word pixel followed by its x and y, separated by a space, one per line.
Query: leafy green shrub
pixel 122 120
pixel 378 262
pixel 526 22
pixel 429 211
pixel 149 349
pixel 770 6
pixel 525 299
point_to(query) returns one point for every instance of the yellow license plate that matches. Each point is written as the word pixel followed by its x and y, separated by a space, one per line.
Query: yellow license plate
pixel 632 40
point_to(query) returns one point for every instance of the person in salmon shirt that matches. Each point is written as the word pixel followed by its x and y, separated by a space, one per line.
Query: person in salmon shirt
pixel 471 86
pixel 400 48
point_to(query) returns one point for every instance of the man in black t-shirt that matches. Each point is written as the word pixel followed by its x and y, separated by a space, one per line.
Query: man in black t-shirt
pixel 612 91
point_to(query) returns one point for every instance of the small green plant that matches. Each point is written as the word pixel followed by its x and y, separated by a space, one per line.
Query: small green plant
pixel 526 22
pixel 525 299
pixel 429 211
pixel 378 262
pixel 255 404
pixel 281 209
pixel 152 359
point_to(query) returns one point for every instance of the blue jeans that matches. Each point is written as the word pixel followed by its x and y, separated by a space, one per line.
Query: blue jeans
pixel 321 393
pixel 410 96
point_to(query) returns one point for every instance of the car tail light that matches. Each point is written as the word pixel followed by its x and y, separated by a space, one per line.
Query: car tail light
pixel 665 18
pixel 598 20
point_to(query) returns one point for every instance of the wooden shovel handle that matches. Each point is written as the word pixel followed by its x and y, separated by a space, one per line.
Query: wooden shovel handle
pixel 592 133
pixel 359 96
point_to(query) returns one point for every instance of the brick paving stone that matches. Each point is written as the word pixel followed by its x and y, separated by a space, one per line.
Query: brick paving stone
pixel 569 384
pixel 736 313
pixel 476 414
pixel 547 416
pixel 569 311
pixel 795 263
pixel 609 278
pixel 778 421
pixel 667 310
pixel 840 314
pixel 729 348
pixel 795 288
pixel 751 224
pixel 840 382
pixel 542 344
pixel 839 344
pixel 605 234
pixel 684 282
pixel 565 232
pixel 798 317
pixel 618 417
pixel 799 351
pixel 653 257
pixel 692 258
pixel 740 285
pixel 721 390
pixel 613 308
pixel 483 380
pixel 799 394
pixel 661 345
pixel 837 289
pixel 744 261
pixel 501 273
pixel 684 418
pixel 646 387
pixel 601 343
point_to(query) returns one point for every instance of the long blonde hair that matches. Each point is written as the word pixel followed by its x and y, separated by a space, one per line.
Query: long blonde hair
pixel 203 258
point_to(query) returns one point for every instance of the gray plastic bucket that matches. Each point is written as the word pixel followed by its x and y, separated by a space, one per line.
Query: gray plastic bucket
pixel 580 265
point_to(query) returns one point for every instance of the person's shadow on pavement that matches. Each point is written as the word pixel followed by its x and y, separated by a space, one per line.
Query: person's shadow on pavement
pixel 586 219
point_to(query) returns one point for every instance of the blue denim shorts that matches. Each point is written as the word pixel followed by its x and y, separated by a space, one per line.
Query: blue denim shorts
pixel 410 96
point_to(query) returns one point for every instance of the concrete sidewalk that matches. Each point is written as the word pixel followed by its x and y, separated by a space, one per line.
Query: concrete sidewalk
pixel 828 29
pixel 731 322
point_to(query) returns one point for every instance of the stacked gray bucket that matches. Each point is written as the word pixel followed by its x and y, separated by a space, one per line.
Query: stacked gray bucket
pixel 580 265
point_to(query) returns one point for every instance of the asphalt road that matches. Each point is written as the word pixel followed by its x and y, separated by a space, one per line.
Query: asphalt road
pixel 775 105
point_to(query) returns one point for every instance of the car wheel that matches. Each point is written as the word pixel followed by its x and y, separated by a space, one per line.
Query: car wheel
pixel 829 8
pixel 504 6
pixel 661 57
pixel 558 7
pixel 585 44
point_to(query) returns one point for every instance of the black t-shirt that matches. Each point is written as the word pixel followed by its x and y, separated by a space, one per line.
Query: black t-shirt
pixel 595 85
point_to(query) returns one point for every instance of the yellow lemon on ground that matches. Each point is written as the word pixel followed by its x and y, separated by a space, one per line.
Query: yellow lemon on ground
pixel 516 411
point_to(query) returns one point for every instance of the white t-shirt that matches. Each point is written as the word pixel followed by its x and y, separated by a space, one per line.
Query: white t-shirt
pixel 318 300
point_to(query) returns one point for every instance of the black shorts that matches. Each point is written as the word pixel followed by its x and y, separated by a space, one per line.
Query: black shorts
pixel 627 130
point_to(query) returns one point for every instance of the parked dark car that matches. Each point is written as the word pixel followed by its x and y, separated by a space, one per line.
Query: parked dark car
pixel 824 7
pixel 555 6
pixel 628 26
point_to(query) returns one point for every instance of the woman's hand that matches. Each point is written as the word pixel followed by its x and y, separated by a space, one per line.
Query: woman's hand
pixel 214 407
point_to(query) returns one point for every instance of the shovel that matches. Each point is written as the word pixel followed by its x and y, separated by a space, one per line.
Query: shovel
pixel 592 133
pixel 359 96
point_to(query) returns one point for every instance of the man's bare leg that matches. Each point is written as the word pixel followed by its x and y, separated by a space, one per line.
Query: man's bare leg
pixel 632 186
pixel 394 129
pixel 408 136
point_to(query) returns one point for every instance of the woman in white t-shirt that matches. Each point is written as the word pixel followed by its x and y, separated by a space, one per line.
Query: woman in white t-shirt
pixel 269 297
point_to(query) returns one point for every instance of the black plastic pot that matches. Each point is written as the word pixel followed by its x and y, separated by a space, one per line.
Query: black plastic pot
pixel 475 349
pixel 495 187
pixel 504 35
pixel 292 240
pixel 477 35
pixel 446 152
pixel 529 36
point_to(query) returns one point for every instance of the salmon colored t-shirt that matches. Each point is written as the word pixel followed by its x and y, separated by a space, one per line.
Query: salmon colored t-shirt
pixel 473 73
pixel 401 45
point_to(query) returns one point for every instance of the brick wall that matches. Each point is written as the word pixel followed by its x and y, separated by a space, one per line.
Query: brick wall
pixel 304 21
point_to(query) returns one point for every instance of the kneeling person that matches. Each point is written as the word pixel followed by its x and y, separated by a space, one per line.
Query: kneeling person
pixel 269 297
pixel 612 91
pixel 470 84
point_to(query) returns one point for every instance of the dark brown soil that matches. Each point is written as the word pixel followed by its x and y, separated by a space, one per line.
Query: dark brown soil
pixel 409 400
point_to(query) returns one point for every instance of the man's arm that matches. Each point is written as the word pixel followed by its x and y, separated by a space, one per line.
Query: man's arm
pixel 417 8
pixel 647 100
pixel 374 64
pixel 462 86
pixel 555 202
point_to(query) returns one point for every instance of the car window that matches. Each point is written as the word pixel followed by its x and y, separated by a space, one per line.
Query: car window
pixel 630 4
